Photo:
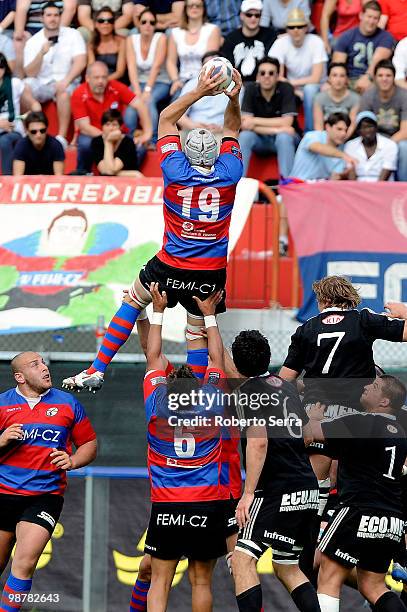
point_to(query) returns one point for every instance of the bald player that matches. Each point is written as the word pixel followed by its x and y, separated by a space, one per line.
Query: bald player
pixel 38 425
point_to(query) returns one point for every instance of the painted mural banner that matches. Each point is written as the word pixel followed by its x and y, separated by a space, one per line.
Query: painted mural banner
pixel 70 245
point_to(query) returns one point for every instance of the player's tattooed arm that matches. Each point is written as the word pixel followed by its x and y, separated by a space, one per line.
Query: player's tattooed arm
pixel 154 355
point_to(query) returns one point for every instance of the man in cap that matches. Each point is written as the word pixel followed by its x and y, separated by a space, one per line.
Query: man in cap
pixel 245 46
pixel 303 59
pixel 199 193
pixel 375 155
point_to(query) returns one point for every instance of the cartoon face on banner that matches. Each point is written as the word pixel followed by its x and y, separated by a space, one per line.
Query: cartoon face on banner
pixel 66 234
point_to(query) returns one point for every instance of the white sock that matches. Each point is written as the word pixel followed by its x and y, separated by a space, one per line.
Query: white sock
pixel 327 603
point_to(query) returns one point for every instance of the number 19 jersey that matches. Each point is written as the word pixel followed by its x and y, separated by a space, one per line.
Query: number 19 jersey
pixel 197 205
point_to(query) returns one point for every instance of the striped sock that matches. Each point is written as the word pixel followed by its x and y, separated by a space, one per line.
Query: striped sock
pixel 197 359
pixel 14 588
pixel 117 333
pixel 138 599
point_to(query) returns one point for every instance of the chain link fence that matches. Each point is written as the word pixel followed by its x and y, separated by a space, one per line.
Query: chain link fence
pixel 80 344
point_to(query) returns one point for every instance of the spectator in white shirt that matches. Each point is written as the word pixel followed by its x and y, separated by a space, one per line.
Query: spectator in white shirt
pixel 54 59
pixel 303 59
pixel 375 155
pixel 400 63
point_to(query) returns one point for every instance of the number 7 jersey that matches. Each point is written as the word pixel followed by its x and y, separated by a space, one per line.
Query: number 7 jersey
pixel 197 205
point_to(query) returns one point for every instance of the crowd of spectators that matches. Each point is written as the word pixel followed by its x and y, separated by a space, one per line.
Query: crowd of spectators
pixel 329 98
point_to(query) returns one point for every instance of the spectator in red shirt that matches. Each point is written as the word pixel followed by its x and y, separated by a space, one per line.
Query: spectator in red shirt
pixel 394 17
pixel 91 99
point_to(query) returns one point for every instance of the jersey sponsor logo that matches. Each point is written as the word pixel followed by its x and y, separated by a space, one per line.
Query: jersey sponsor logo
pixel 14 409
pixel 275 381
pixel 333 319
pixel 236 151
pixel 47 517
pixel 150 547
pixel 167 519
pixel 376 527
pixel 273 535
pixel 187 226
pixel 48 435
pixel 345 556
pixel 392 429
pixel 52 411
pixel 190 286
pixel 334 411
pixel 170 146
pixel 300 500
pixel 158 380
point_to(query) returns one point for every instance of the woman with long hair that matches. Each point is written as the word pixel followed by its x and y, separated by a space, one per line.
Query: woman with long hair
pixel 106 46
pixel 11 126
pixel 188 43
pixel 145 54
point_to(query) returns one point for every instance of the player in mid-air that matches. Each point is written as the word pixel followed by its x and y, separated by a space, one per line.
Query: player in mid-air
pixel 199 193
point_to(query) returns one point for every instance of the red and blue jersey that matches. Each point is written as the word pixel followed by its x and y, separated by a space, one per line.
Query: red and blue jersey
pixel 184 462
pixel 231 470
pixel 197 206
pixel 57 421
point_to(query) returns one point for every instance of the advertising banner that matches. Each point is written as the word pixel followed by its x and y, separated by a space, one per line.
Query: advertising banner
pixel 70 245
pixel 354 229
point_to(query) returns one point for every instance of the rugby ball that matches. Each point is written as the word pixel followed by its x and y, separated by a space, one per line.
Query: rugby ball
pixel 220 65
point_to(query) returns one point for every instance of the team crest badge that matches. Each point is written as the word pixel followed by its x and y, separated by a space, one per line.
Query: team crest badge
pixel 275 381
pixel 392 429
pixel 213 378
pixel 52 412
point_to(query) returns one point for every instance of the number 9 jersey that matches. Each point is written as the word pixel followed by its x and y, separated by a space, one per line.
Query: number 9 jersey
pixel 197 205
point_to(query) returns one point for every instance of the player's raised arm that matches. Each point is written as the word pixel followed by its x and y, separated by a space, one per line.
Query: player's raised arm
pixel 398 310
pixel 232 118
pixel 215 344
pixel 206 86
pixel 154 342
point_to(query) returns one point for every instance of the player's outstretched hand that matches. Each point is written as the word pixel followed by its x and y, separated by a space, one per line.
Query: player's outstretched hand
pixel 61 459
pixel 208 306
pixel 13 432
pixel 237 79
pixel 208 82
pixel 242 510
pixel 396 310
pixel 159 299
pixel 316 412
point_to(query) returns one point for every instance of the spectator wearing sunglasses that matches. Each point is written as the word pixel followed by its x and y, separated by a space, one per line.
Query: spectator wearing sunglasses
pixel 303 60
pixel 106 46
pixel 275 12
pixel 145 53
pixel 11 127
pixel 54 59
pixel 38 153
pixel 167 12
pixel 122 11
pixel 245 46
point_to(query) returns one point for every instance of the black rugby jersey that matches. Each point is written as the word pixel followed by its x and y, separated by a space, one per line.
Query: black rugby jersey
pixel 338 344
pixel 287 467
pixel 371 449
